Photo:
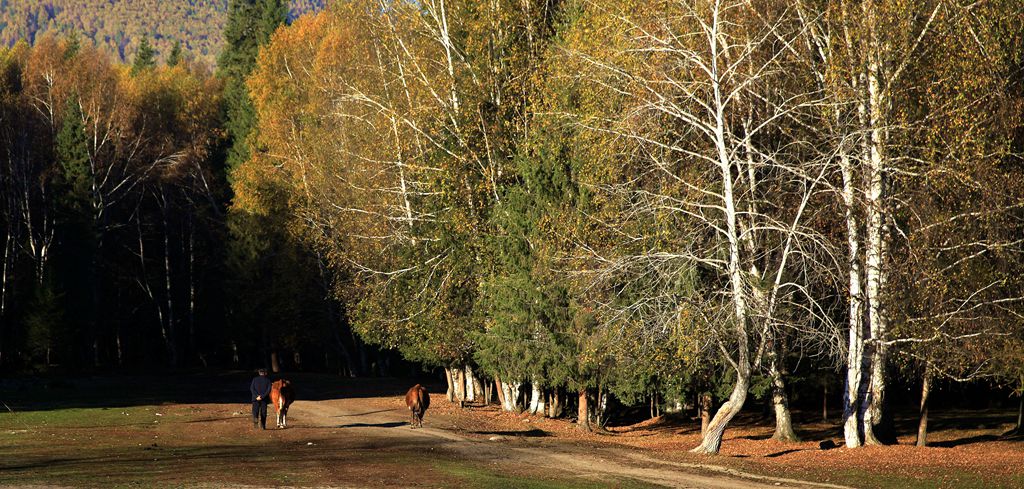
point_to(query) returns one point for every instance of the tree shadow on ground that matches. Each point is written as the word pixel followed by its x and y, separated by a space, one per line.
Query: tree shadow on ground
pixel 783 452
pixel 391 424
pixel 963 441
pixel 363 414
pixel 534 433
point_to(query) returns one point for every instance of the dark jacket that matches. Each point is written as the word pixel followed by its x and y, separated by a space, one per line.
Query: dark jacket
pixel 260 387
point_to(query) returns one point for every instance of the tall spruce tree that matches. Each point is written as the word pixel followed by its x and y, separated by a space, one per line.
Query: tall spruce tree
pixel 174 58
pixel 75 254
pixel 145 57
pixel 249 26
pixel 256 250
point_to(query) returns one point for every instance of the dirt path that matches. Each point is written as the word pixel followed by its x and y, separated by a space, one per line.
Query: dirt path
pixel 379 427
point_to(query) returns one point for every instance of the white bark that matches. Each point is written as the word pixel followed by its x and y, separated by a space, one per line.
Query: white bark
pixel 537 405
pixel 876 253
pixel 470 386
pixel 459 383
pixel 713 437
pixel 450 393
pixel 855 347
pixel 511 396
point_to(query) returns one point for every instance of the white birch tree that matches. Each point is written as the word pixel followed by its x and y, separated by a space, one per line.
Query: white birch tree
pixel 706 107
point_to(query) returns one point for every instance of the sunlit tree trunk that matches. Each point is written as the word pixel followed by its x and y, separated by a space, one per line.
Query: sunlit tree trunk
pixel 448 377
pixel 712 441
pixel 876 253
pixel 469 388
pixel 922 426
pixel 500 391
pixel 704 408
pixel 780 401
pixel 555 404
pixel 459 384
pixel 583 412
pixel 855 346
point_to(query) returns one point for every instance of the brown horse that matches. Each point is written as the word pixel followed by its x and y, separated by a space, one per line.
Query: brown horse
pixel 282 395
pixel 418 401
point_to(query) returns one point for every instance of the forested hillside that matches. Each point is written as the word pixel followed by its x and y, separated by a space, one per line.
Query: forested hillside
pixel 117 26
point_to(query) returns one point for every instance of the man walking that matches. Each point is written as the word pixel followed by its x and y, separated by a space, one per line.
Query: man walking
pixel 260 389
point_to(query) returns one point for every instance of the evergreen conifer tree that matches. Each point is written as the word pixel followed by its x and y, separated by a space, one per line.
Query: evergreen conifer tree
pixel 174 58
pixel 145 57
pixel 72 152
pixel 250 24
pixel 74 44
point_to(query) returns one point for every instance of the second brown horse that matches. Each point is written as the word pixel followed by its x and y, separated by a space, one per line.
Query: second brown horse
pixel 418 401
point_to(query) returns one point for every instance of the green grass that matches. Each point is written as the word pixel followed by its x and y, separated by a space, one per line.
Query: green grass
pixel 79 418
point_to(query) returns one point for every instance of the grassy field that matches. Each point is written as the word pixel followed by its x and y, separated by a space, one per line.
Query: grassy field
pixel 130 432
pixel 195 430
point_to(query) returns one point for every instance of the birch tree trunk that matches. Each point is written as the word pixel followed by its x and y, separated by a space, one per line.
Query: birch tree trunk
pixel 876 220
pixel 513 395
pixel 191 290
pixel 450 393
pixel 469 388
pixel 459 382
pixel 855 347
pixel 8 247
pixel 922 425
pixel 712 441
pixel 535 398
pixel 172 340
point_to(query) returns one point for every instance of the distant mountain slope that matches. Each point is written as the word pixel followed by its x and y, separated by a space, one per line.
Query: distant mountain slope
pixel 117 25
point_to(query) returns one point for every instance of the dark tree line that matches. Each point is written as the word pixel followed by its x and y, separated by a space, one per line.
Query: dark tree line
pixel 121 247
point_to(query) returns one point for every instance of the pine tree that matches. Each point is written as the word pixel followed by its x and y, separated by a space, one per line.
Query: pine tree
pixel 72 151
pixel 145 57
pixel 74 44
pixel 76 251
pixel 43 323
pixel 175 57
pixel 249 26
